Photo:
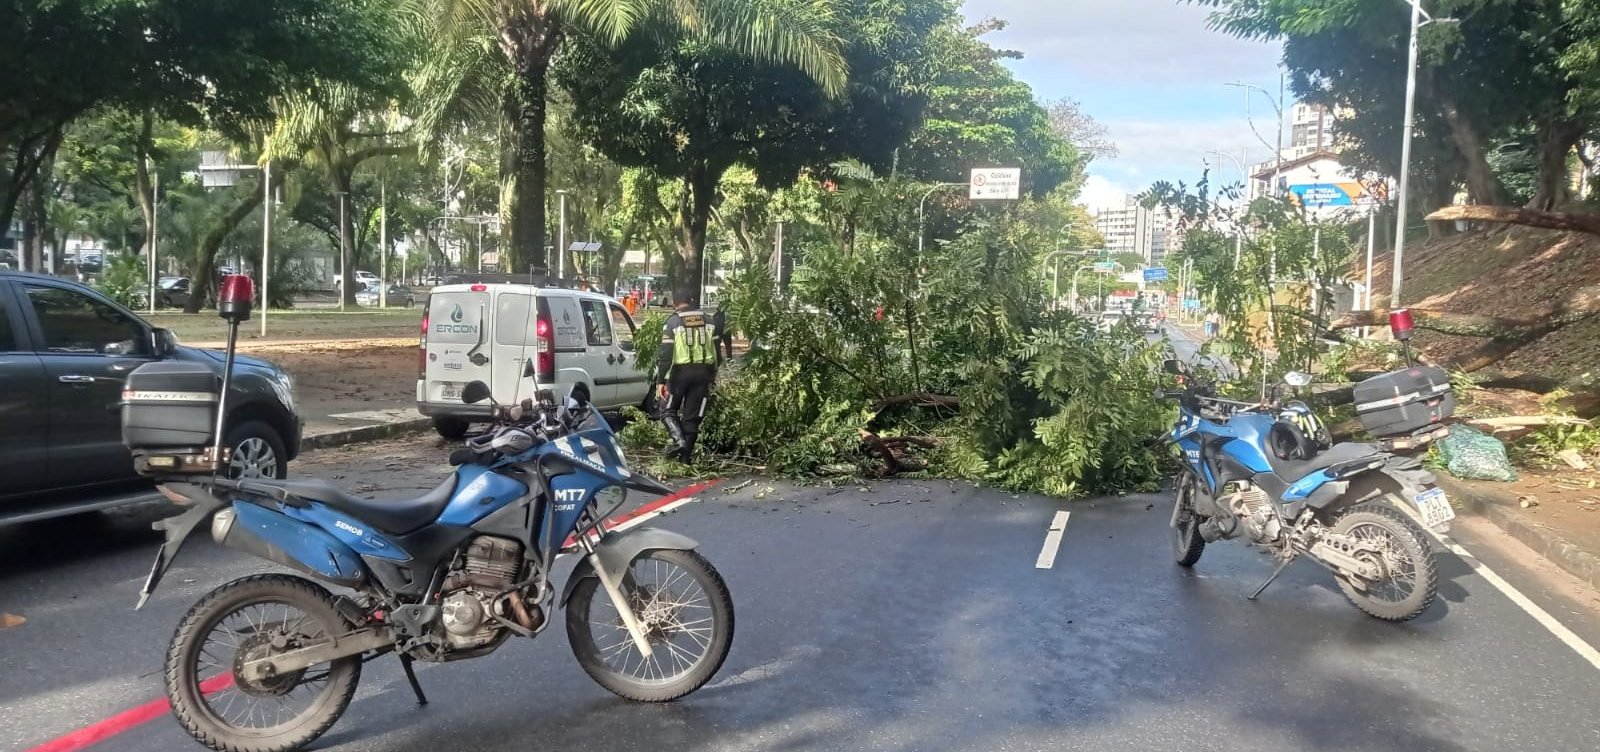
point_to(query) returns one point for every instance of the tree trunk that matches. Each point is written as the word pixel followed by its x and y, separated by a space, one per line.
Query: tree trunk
pixel 1482 185
pixel 700 193
pixel 142 184
pixel 1555 141
pixel 26 157
pixel 205 256
pixel 1589 223
pixel 528 38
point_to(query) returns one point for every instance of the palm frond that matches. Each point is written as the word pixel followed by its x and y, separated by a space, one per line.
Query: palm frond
pixel 800 33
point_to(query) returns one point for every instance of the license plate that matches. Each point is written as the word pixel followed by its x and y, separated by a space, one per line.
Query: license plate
pixel 1434 507
pixel 450 391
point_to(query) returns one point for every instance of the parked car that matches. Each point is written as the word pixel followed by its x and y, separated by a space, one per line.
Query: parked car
pixel 572 342
pixel 399 295
pixel 432 281
pixel 1109 320
pixel 363 279
pixel 65 353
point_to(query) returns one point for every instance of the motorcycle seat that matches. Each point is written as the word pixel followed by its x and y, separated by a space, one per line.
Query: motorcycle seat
pixel 398 516
pixel 1293 470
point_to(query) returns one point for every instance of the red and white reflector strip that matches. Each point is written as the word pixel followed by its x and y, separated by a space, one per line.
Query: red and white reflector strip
pixel 644 513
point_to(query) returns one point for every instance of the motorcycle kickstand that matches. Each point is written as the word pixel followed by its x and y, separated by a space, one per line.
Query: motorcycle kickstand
pixel 1270 578
pixel 411 676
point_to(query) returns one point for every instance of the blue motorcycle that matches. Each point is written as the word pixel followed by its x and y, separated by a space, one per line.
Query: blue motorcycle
pixel 268 663
pixel 1268 473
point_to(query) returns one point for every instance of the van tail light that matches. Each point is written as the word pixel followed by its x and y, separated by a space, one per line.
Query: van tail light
pixel 422 348
pixel 544 358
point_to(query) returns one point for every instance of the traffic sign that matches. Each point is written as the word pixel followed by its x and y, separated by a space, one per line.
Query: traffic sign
pixel 1155 274
pixel 1105 266
pixel 996 183
pixel 1191 304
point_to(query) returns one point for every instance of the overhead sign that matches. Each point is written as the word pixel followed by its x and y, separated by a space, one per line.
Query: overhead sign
pixel 996 183
pixel 1191 304
pixel 1155 274
pixel 1105 266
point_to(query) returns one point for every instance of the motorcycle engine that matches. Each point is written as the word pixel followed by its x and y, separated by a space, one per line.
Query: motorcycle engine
pixel 487 568
pixel 1252 506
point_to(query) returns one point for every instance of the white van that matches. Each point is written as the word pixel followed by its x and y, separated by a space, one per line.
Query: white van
pixel 580 343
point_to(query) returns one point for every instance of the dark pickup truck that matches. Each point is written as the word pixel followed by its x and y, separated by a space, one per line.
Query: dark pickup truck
pixel 65 352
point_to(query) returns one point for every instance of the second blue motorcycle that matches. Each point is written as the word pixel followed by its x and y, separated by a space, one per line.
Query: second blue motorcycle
pixel 1267 473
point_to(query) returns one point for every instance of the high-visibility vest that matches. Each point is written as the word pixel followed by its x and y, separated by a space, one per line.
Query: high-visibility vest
pixel 694 343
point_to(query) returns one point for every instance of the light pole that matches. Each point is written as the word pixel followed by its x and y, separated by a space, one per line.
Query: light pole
pixel 1419 19
pixel 266 239
pixel 561 242
pixel 1238 229
pixel 344 257
pixel 1055 280
pixel 1277 171
pixel 155 226
pixel 922 207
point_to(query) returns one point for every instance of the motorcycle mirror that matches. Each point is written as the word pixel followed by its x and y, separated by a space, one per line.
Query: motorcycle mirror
pixel 1174 367
pixel 547 398
pixel 527 368
pixel 475 392
pixel 1296 378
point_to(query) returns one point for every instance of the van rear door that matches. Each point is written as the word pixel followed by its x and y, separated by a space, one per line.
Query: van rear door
pixel 516 341
pixel 458 344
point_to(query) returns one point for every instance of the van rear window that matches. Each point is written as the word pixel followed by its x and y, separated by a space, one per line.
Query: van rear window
pixel 513 320
pixel 456 318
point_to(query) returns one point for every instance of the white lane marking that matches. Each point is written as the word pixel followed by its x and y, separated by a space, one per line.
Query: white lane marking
pixel 1052 541
pixel 1540 615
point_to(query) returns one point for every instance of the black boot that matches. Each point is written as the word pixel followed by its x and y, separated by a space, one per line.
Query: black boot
pixel 679 448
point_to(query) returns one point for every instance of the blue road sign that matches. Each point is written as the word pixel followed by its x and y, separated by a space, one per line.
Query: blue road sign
pixel 1155 274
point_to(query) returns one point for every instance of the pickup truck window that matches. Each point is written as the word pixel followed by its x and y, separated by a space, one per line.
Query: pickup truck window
pixel 76 323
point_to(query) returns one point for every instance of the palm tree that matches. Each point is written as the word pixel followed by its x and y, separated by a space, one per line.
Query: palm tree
pixel 491 59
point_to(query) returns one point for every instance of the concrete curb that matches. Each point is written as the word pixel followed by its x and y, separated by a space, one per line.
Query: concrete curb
pixel 1498 509
pixel 364 433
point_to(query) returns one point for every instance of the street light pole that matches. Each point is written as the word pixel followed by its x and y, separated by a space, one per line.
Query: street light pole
pixel 1238 230
pixel 1405 157
pixel 155 226
pixel 561 243
pixel 383 242
pixel 344 256
pixel 921 217
pixel 911 324
pixel 266 240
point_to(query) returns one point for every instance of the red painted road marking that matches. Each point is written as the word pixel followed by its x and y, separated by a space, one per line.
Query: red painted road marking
pixel 658 507
pixel 125 721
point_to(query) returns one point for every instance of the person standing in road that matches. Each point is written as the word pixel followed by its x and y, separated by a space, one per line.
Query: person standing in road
pixel 724 333
pixel 686 367
pixel 1212 324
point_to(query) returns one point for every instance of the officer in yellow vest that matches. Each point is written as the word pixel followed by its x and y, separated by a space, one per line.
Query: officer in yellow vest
pixel 687 365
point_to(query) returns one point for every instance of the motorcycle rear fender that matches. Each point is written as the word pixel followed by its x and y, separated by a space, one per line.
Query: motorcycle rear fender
pixel 617 550
pixel 206 501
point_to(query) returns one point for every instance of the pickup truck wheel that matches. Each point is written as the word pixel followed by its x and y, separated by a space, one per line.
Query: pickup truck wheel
pixel 257 452
pixel 451 429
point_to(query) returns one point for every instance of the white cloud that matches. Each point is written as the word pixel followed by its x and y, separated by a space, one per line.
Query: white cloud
pixel 1100 193
pixel 1151 150
pixel 1154 42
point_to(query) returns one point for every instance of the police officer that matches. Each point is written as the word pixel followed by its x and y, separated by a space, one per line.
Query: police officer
pixel 689 350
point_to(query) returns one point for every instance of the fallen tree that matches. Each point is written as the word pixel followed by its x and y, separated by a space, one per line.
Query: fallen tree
pixel 1514 215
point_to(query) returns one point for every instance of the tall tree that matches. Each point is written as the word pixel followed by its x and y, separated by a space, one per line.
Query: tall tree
pixel 690 109
pixel 506 48
pixel 212 61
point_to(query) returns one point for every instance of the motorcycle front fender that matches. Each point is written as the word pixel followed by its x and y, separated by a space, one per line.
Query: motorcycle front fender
pixel 177 529
pixel 617 550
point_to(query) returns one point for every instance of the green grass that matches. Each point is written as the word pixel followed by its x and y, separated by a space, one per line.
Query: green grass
pixel 295 324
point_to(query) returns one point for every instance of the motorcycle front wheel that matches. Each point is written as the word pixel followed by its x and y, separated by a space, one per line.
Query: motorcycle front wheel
pixel 687 615
pixel 1187 544
pixel 1410 575
pixel 244 620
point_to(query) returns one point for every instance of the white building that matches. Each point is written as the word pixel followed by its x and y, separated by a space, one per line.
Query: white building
pixel 1135 229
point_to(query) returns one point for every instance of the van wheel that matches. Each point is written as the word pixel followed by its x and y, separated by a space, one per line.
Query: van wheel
pixel 452 429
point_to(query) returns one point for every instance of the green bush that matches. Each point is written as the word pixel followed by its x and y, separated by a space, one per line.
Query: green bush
pixel 125 280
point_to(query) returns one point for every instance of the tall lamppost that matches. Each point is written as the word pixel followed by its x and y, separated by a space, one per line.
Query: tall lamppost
pixel 561 238
pixel 1419 19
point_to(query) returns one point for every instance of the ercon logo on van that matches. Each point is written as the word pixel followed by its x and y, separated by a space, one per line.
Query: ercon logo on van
pixel 455 326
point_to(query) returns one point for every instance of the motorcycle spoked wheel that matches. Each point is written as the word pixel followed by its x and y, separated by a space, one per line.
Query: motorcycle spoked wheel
pixel 687 614
pixel 1187 544
pixel 244 620
pixel 1410 578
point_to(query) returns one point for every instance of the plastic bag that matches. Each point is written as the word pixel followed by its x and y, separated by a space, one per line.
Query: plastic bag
pixel 1471 454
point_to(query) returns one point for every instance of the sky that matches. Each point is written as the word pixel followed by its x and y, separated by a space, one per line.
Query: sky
pixel 1152 73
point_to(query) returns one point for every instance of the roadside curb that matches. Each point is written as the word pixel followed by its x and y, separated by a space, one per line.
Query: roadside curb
pixel 1497 508
pixel 364 433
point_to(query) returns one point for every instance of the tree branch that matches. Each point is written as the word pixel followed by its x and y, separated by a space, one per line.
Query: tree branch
pixel 1512 215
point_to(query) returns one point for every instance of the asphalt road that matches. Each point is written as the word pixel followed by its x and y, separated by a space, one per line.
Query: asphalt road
pixel 906 616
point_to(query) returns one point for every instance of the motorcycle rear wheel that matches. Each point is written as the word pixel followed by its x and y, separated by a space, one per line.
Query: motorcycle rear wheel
pixel 240 621
pixel 1187 544
pixel 1411 572
pixel 686 611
